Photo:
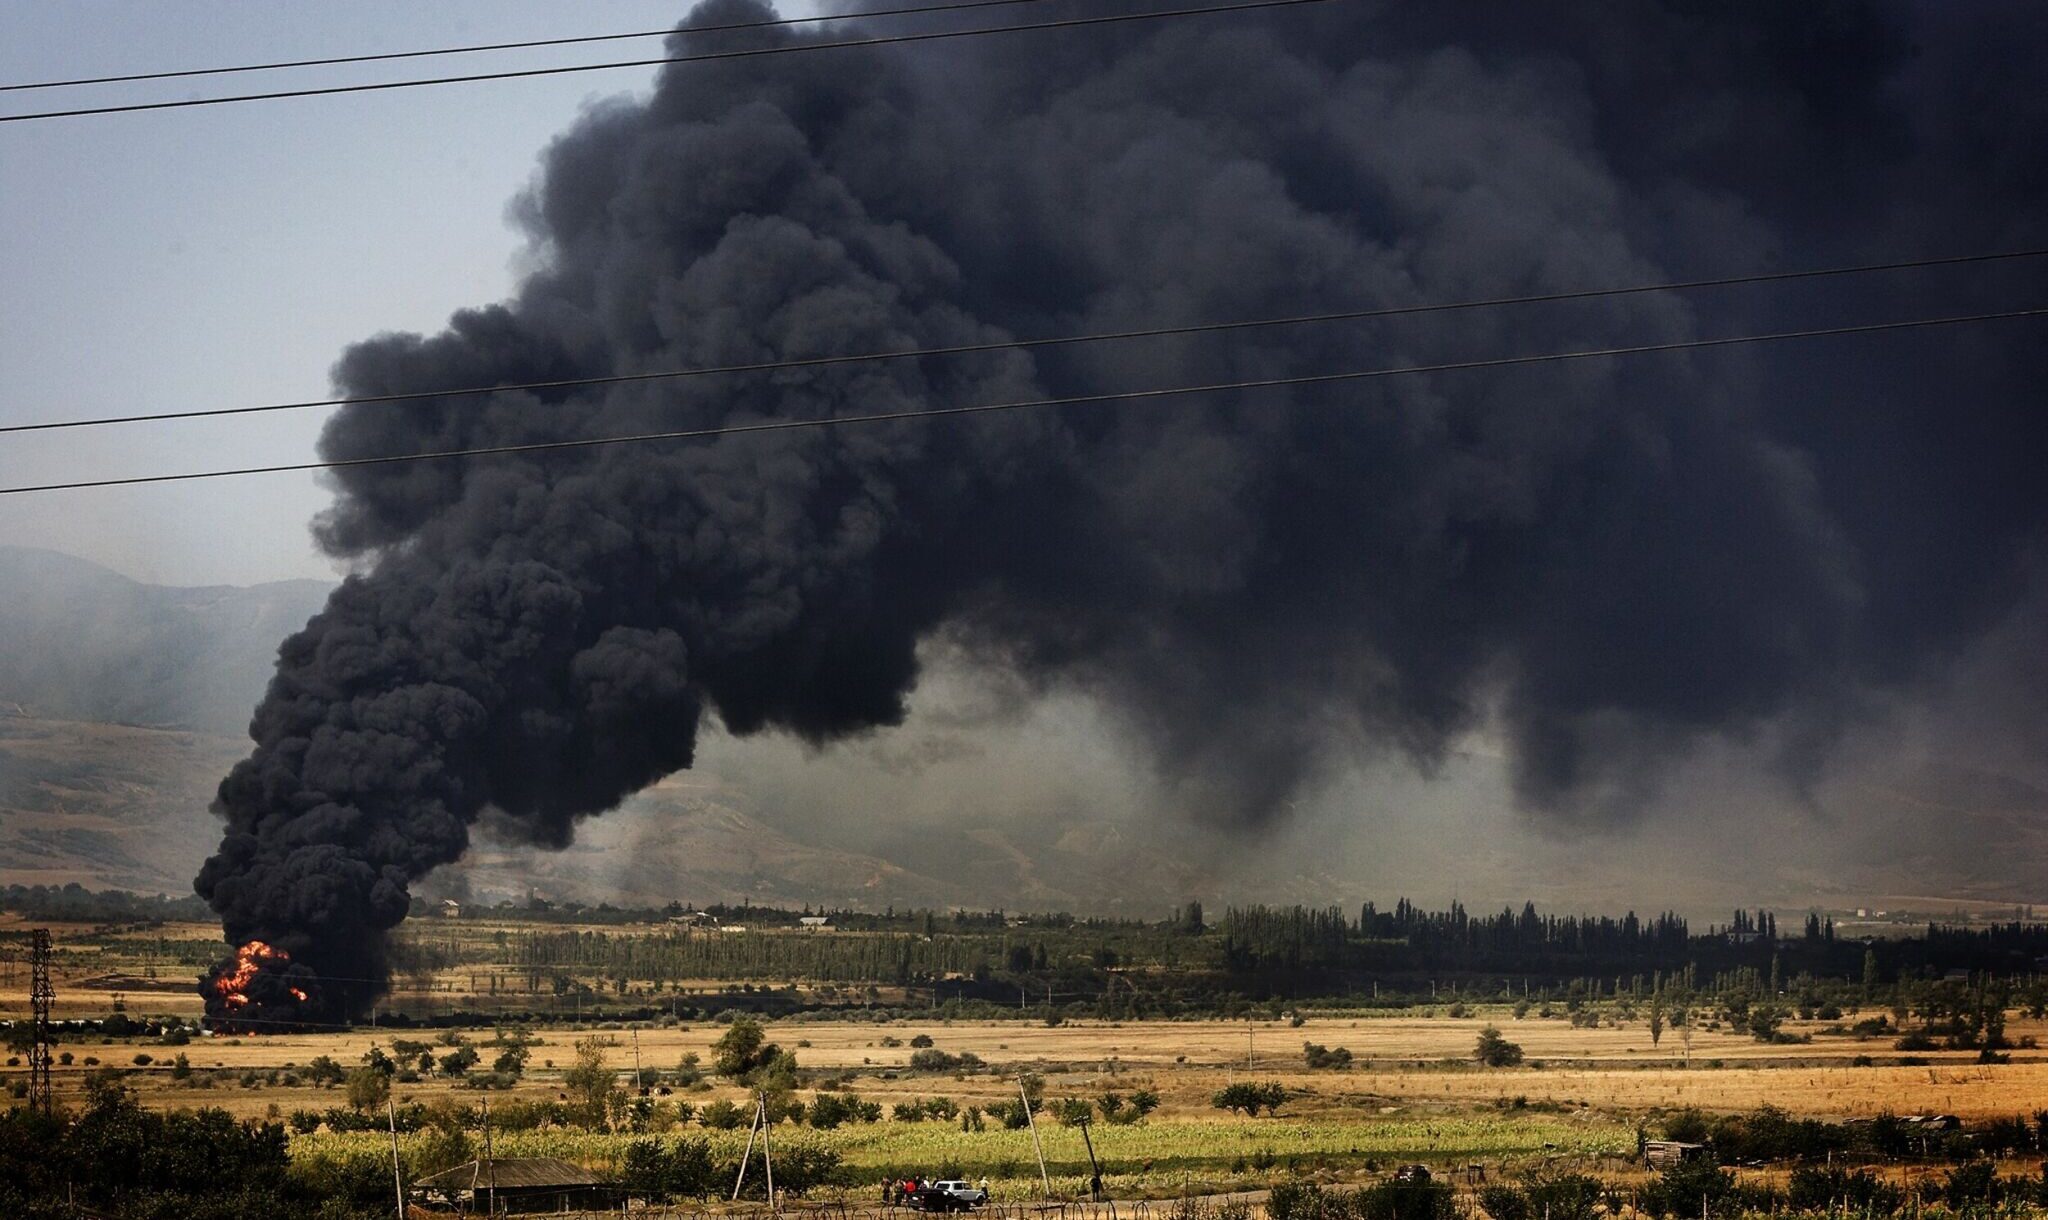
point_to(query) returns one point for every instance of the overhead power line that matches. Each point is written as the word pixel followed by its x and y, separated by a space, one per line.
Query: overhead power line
pixel 1121 396
pixel 963 349
pixel 476 48
pixel 793 48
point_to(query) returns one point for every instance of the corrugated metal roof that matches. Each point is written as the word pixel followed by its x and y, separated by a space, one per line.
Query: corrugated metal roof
pixel 512 1173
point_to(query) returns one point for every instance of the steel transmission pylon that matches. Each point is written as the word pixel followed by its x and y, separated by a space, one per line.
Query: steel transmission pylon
pixel 40 993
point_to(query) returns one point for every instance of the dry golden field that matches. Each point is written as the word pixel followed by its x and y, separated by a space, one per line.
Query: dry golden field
pixel 1185 1062
pixel 1403 1064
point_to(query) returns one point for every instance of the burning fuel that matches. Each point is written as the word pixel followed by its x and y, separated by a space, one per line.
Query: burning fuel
pixel 257 983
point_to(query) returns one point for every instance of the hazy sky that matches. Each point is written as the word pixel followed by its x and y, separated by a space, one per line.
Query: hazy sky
pixel 225 255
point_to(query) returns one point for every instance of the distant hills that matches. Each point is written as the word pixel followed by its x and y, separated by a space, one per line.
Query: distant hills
pixel 122 704
pixel 79 642
pixel 119 806
pixel 106 806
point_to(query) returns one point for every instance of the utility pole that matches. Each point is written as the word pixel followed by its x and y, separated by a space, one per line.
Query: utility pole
pixel 397 1177
pixel 1094 1167
pixel 767 1158
pixel 639 1085
pixel 748 1154
pixel 1247 1044
pixel 1044 1178
pixel 490 1159
pixel 40 993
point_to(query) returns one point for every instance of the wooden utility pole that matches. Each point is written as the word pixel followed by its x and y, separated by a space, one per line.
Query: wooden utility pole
pixel 490 1159
pixel 767 1158
pixel 397 1176
pixel 1094 1167
pixel 639 1085
pixel 1044 1178
pixel 747 1155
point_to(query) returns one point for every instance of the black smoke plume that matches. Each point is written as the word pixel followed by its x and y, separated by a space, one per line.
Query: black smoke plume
pixel 1604 563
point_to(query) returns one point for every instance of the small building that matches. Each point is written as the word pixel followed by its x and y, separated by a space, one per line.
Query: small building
pixel 451 909
pixel 518 1184
pixel 1931 1122
pixel 814 923
pixel 1667 1154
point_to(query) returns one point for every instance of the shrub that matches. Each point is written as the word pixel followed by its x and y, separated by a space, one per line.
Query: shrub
pixel 1681 1190
pixel 1813 1188
pixel 1975 1182
pixel 1687 1126
pixel 1503 1202
pixel 1125 1111
pixel 1570 1196
pixel 1249 1098
pixel 1495 1051
pixel 1769 1134
pixel 922 1040
pixel 325 1071
pixel 801 1168
pixel 660 1174
pixel 1317 1056
pixel 828 1110
pixel 931 1060
pixel 1298 1200
pixel 1415 1199
pixel 720 1115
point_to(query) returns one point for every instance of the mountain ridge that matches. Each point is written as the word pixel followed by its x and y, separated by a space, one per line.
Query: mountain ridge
pixel 81 642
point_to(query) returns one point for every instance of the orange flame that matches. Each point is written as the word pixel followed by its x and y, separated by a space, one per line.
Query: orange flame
pixel 250 960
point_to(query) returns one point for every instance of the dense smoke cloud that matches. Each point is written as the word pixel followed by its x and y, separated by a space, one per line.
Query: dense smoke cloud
pixel 1606 563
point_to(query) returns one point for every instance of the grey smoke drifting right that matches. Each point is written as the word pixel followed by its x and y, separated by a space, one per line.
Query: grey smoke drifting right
pixel 1606 563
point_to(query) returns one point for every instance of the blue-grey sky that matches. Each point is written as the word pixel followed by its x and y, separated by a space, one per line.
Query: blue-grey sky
pixel 225 255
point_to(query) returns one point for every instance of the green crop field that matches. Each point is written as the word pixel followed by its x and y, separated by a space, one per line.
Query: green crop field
pixel 1145 1158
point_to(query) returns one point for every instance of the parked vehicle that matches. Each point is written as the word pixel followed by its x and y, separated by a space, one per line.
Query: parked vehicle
pixel 947 1195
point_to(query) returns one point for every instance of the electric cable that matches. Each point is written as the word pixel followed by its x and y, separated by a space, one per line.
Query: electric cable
pixel 1121 396
pixel 1390 311
pixel 793 48
pixel 475 48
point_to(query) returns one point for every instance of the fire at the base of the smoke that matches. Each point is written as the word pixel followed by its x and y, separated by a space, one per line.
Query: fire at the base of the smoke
pixel 250 961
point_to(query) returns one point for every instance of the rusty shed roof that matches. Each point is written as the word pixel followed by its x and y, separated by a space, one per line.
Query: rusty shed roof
pixel 512 1173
